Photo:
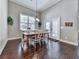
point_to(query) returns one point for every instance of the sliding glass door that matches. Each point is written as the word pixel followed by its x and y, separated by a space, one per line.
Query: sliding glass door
pixel 53 27
pixel 56 28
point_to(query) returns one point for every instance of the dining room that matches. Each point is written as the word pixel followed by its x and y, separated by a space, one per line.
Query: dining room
pixel 39 29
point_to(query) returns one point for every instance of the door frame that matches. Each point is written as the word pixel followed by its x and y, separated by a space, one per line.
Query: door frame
pixel 51 25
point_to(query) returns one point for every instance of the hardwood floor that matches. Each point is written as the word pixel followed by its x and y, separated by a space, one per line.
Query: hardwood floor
pixel 54 50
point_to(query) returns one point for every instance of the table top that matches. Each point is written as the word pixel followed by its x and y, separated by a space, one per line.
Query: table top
pixel 34 33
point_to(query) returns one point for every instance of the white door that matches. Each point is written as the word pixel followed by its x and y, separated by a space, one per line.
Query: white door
pixel 56 28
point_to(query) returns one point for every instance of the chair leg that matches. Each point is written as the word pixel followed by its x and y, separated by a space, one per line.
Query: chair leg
pixel 22 43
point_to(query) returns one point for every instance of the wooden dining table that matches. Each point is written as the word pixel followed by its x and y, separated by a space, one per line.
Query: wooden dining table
pixel 29 35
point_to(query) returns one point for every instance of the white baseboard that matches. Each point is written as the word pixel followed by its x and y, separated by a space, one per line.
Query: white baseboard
pixel 71 43
pixel 14 38
pixel 3 46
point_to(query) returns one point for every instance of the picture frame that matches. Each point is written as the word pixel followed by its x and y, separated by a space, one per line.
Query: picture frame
pixel 68 24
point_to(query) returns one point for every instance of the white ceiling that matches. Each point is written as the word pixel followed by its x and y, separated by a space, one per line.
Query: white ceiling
pixel 41 4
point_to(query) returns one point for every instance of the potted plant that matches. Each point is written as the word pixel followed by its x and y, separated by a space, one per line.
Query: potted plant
pixel 10 20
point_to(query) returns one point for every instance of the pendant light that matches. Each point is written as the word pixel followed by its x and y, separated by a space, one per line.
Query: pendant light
pixel 36 13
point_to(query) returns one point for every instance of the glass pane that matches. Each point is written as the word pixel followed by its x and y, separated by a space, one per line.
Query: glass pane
pixel 31 19
pixel 32 23
pixel 47 25
pixel 23 18
pixel 23 26
pixel 23 22
pixel 32 26
pixel 54 31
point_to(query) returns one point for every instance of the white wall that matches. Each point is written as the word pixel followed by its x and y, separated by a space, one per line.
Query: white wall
pixel 0 20
pixel 3 23
pixel 14 11
pixel 68 10
pixel 78 16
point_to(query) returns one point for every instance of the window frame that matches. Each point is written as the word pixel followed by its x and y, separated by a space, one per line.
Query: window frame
pixel 27 22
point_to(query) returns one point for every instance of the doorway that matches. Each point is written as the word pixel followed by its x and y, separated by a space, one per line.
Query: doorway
pixel 53 27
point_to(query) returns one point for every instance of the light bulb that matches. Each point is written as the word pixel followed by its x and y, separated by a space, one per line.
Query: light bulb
pixel 37 19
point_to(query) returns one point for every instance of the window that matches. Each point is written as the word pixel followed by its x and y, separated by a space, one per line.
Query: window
pixel 27 22
pixel 32 22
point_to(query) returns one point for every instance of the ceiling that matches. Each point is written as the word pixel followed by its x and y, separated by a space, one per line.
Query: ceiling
pixel 41 4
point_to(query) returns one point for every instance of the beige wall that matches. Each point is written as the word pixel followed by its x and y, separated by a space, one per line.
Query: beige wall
pixel 14 11
pixel 67 10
